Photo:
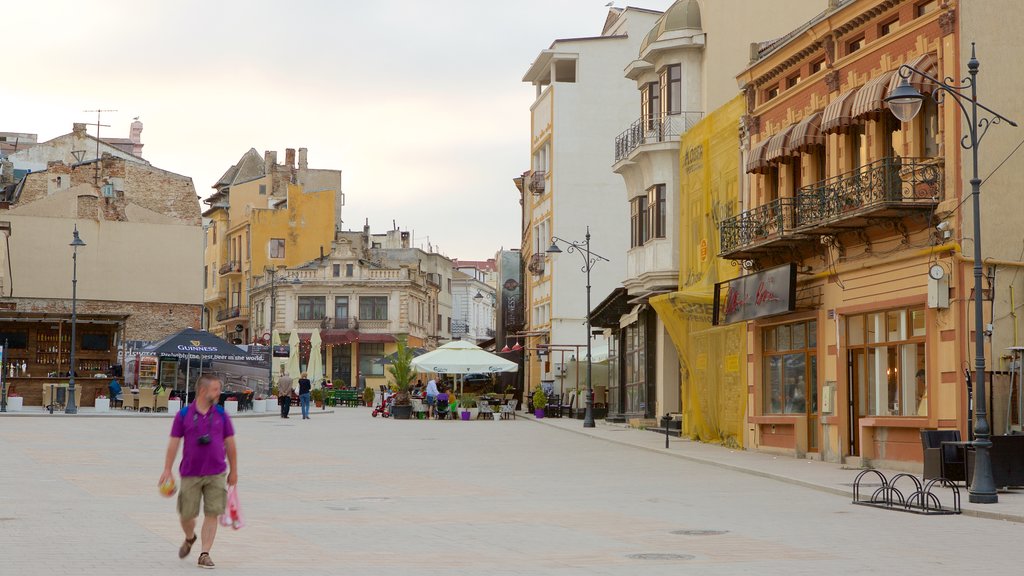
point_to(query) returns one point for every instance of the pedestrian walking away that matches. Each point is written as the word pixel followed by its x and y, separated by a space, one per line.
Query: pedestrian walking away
pixel 285 388
pixel 206 436
pixel 304 390
pixel 432 393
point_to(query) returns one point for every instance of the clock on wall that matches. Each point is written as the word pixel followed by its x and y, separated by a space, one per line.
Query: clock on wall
pixel 936 272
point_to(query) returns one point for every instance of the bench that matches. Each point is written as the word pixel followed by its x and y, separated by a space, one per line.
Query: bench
pixel 347 398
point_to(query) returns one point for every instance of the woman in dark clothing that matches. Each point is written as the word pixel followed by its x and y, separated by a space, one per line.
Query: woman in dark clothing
pixel 304 390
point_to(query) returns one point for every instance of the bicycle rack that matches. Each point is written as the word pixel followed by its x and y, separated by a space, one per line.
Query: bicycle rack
pixel 920 501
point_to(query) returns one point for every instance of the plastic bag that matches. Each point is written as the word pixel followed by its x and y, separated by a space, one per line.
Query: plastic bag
pixel 232 515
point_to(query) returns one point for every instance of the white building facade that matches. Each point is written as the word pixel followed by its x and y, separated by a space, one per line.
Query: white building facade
pixel 582 102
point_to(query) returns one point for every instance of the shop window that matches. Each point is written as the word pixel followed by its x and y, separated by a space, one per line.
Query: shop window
pixel 790 379
pixel 887 362
pixel 635 356
pixel 369 353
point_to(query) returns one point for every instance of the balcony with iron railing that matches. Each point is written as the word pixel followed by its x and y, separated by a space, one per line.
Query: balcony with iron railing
pixel 888 188
pixel 652 129
pixel 537 181
pixel 231 313
pixel 233 267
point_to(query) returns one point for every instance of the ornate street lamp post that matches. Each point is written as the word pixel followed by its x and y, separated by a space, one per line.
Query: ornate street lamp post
pixel 76 242
pixel 905 102
pixel 589 259
pixel 273 317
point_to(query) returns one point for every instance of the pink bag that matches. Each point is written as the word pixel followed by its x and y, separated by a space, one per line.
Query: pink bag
pixel 232 515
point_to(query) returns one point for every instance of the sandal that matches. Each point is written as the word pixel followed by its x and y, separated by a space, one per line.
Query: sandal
pixel 186 547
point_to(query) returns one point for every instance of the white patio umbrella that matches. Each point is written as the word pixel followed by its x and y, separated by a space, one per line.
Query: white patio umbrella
pixel 460 357
pixel 315 368
pixel 275 363
pixel 293 356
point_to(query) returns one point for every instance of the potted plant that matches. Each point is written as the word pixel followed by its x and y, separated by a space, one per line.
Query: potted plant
pixel 259 404
pixel 540 401
pixel 465 403
pixel 102 403
pixel 403 373
pixel 368 395
pixel 231 405
pixel 317 395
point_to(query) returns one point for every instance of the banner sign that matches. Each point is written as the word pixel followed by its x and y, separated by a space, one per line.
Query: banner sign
pixel 281 351
pixel 757 295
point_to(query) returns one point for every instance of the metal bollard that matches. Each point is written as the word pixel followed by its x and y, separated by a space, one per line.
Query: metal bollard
pixel 664 423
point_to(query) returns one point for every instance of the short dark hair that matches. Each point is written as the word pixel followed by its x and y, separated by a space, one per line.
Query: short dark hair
pixel 207 379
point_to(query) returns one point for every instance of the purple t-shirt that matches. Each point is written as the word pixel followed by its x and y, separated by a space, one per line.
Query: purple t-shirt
pixel 202 459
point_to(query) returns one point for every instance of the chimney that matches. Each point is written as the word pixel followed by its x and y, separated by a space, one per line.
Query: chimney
pixel 302 159
pixel 269 159
pixel 135 135
pixel 78 129
pixel 289 157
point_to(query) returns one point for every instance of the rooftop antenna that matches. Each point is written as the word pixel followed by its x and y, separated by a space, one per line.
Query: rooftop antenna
pixel 96 178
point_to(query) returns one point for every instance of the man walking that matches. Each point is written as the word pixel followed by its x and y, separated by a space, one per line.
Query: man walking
pixel 207 436
pixel 285 386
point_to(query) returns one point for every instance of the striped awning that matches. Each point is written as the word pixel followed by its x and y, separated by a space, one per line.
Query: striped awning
pixel 870 98
pixel 778 145
pixel 926 63
pixel 807 133
pixel 836 116
pixel 756 162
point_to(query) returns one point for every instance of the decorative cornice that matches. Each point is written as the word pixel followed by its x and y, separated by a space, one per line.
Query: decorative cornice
pixel 947 22
pixel 832 81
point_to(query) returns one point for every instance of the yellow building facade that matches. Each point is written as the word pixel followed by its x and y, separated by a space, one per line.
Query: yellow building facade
pixel 263 216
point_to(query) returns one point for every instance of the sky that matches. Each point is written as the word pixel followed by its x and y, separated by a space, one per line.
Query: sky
pixel 420 103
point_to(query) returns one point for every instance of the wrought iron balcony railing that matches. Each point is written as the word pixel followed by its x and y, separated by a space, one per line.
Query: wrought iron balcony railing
pixel 892 183
pixel 654 128
pixel 234 312
pixel 229 267
pixel 886 188
pixel 536 182
pixel 764 223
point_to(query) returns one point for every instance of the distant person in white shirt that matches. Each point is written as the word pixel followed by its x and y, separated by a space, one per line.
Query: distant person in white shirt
pixel 431 397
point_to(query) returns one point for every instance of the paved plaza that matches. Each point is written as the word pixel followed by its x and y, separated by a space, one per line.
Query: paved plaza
pixel 345 493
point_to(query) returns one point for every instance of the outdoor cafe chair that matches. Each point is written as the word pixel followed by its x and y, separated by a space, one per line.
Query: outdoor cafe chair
pixel 146 400
pixel 161 402
pixel 485 408
pixel 509 409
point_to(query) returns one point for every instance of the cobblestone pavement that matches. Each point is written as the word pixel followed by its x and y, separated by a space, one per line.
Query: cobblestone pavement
pixel 345 493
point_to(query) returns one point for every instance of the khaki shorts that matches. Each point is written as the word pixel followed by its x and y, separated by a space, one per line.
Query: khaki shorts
pixel 212 490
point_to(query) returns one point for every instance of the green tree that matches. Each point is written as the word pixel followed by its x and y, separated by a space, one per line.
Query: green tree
pixel 403 372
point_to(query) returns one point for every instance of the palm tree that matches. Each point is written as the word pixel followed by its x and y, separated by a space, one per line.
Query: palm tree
pixel 403 373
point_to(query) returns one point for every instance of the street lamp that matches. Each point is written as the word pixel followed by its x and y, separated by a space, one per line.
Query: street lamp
pixel 905 102
pixel 273 316
pixel 76 242
pixel 589 259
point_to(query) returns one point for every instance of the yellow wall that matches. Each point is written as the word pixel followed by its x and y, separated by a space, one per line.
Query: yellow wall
pixel 712 358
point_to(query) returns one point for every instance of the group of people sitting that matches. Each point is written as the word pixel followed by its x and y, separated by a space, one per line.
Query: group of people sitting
pixel 438 398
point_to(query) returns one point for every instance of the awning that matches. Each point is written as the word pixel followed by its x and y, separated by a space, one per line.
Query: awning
pixel 806 134
pixel 926 63
pixel 837 116
pixel 869 99
pixel 607 312
pixel 755 162
pixel 778 145
pixel 337 337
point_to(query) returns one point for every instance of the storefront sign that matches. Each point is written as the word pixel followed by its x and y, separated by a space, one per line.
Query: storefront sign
pixel 764 293
pixel 281 351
